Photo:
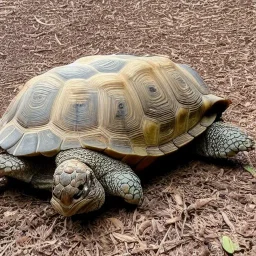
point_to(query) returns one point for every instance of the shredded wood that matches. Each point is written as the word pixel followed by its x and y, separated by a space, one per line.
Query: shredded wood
pixel 215 37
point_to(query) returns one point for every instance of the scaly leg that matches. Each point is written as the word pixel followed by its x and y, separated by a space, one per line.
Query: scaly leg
pixel 34 171
pixel 13 167
pixel 123 183
pixel 222 140
pixel 10 164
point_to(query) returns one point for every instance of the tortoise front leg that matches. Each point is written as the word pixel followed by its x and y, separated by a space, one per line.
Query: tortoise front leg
pixel 123 183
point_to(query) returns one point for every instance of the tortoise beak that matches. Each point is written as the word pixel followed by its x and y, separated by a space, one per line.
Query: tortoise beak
pixel 83 206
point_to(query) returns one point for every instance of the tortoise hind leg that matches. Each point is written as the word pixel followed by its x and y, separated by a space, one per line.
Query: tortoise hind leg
pixel 222 140
pixel 14 167
pixel 9 164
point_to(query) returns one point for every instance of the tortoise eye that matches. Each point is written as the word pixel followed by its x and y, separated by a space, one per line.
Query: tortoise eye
pixel 80 187
pixel 77 195
pixel 83 190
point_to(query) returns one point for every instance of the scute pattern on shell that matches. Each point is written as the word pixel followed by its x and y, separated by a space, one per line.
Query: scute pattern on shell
pixel 130 107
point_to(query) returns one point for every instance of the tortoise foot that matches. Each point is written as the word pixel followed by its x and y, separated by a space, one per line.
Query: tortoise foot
pixel 125 184
pixel 222 140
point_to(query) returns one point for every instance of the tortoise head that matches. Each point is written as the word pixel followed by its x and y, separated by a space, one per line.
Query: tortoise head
pixel 76 189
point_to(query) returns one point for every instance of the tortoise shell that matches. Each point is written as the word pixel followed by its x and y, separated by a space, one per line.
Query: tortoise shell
pixel 131 108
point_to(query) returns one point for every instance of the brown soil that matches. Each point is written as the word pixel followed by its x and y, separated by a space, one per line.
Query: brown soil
pixel 189 203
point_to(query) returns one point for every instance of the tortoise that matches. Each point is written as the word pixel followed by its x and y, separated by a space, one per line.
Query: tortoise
pixel 105 117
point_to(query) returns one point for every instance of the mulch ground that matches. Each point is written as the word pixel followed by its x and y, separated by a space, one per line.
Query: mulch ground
pixel 190 203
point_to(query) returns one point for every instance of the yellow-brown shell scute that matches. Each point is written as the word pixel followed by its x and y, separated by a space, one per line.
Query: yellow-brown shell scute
pixel 130 107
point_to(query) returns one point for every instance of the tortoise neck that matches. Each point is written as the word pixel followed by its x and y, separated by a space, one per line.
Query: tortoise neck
pixel 99 163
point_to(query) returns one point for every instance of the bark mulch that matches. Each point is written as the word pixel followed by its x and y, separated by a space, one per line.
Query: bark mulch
pixel 190 203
